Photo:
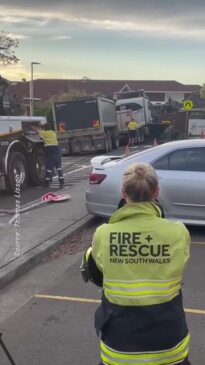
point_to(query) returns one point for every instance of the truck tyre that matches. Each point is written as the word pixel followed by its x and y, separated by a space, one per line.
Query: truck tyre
pixel 142 137
pixel 115 142
pixel 17 172
pixel 37 169
pixel 107 144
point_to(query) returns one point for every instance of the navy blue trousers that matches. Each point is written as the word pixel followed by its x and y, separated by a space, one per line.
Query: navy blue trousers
pixel 53 161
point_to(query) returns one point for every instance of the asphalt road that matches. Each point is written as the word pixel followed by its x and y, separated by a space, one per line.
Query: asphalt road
pixel 76 169
pixel 47 315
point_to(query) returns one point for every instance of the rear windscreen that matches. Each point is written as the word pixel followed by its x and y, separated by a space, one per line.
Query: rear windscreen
pixel 78 114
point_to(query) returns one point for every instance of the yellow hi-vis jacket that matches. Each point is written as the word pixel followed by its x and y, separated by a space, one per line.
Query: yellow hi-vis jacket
pixel 132 126
pixel 142 258
pixel 49 137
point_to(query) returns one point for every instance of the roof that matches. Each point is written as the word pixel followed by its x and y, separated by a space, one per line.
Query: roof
pixel 46 88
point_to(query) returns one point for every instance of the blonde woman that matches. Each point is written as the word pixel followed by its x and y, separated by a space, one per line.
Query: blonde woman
pixel 141 257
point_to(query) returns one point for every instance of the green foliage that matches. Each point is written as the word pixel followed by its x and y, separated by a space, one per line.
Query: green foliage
pixel 71 95
pixel 7 49
pixel 45 108
pixel 202 92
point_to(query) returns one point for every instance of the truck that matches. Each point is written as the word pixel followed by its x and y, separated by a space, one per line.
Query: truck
pixel 152 119
pixel 196 123
pixel 85 125
pixel 22 156
pixel 188 124
pixel 136 108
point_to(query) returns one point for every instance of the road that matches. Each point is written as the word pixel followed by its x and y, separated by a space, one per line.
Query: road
pixel 47 315
pixel 76 169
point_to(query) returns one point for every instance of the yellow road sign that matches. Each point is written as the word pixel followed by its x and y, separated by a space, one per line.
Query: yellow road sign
pixel 188 104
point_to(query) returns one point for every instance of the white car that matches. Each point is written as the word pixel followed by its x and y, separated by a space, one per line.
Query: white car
pixel 180 166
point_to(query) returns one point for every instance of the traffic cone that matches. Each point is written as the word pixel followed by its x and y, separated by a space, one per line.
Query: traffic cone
pixel 155 142
pixel 202 134
pixel 127 150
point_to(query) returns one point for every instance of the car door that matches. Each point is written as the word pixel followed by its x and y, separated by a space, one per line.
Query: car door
pixel 182 183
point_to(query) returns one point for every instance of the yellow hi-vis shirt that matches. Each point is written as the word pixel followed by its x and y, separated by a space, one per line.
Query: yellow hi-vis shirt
pixel 132 126
pixel 49 137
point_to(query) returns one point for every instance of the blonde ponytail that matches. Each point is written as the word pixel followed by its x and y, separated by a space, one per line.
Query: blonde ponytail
pixel 140 182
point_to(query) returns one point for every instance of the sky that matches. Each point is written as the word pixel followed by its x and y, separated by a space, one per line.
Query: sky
pixel 107 39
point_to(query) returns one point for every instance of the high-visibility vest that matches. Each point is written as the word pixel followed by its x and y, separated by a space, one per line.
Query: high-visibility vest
pixel 49 137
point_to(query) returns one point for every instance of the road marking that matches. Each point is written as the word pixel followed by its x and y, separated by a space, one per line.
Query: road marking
pixel 34 203
pixel 198 243
pixel 85 300
pixel 194 311
pixel 70 299
pixel 71 172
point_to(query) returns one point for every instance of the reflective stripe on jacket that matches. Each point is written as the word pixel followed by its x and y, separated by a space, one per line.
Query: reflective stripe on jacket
pixel 171 356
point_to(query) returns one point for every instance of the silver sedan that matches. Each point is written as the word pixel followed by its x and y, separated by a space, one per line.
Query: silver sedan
pixel 180 166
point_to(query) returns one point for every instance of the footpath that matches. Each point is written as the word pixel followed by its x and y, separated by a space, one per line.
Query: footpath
pixel 39 231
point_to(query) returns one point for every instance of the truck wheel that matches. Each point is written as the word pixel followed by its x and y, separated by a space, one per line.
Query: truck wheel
pixel 17 173
pixel 115 142
pixel 142 136
pixel 107 144
pixel 38 167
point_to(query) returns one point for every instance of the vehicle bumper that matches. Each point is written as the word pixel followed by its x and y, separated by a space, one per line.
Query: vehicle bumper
pixel 103 204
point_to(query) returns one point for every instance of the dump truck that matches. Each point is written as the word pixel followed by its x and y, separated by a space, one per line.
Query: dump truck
pixel 136 108
pixel 86 125
pixel 22 156
pixel 152 119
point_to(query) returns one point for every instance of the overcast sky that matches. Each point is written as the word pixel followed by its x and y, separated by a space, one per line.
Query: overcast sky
pixel 107 39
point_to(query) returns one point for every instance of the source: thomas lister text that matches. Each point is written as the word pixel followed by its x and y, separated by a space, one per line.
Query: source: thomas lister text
pixel 17 222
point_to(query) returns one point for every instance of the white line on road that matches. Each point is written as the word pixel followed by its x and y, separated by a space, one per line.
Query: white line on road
pixel 198 243
pixel 71 172
pixel 36 202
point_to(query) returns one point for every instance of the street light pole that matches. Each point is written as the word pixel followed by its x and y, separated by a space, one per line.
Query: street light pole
pixel 31 87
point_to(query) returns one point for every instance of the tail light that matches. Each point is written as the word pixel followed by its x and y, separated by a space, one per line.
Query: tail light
pixel 96 178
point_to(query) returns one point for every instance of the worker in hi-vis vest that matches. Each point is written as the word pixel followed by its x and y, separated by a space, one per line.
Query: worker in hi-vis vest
pixel 53 155
pixel 132 132
pixel 139 259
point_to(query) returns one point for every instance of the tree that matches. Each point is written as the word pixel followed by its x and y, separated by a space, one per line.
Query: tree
pixel 44 108
pixel 3 87
pixel 71 95
pixel 7 49
pixel 202 92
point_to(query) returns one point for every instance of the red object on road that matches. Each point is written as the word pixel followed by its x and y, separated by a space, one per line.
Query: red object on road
pixel 52 197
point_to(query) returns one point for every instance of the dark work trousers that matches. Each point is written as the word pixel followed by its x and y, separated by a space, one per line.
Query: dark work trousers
pixel 53 161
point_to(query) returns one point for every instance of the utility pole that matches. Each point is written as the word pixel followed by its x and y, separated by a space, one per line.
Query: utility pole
pixel 31 87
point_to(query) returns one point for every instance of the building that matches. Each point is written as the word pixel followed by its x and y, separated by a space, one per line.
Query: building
pixel 157 91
